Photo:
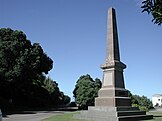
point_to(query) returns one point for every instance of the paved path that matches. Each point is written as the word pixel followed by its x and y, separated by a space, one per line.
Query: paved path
pixel 31 116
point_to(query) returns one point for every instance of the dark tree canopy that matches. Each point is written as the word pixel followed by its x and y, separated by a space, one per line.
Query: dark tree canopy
pixel 86 89
pixel 56 96
pixel 23 66
pixel 19 59
pixel 155 8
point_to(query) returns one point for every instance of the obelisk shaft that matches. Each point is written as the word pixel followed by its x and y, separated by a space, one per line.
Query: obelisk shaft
pixel 112 48
pixel 112 52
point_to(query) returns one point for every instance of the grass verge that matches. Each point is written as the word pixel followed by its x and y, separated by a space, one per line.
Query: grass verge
pixel 69 117
pixel 157 116
pixel 63 117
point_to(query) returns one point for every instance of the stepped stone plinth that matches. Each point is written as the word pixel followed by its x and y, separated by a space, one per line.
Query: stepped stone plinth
pixel 103 113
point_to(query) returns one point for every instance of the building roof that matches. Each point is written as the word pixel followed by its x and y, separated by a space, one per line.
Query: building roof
pixel 157 95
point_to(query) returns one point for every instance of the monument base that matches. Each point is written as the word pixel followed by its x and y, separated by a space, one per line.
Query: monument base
pixel 113 97
pixel 102 113
pixel 112 101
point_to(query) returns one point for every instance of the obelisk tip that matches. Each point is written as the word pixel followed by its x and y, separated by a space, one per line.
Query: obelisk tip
pixel 111 8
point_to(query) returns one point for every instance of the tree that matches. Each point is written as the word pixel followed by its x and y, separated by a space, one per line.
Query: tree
pixel 155 8
pixel 145 103
pixel 56 97
pixel 19 59
pixel 66 99
pixel 22 64
pixel 86 89
pixel 140 101
pixel 50 85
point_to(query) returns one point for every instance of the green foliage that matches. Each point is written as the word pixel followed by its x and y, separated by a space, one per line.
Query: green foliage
pixel 141 101
pixel 50 85
pixel 155 8
pixel 23 66
pixel 66 99
pixel 56 96
pixel 86 89
pixel 19 59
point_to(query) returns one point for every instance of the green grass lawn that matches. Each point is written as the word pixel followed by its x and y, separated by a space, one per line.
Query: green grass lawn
pixel 157 116
pixel 69 117
pixel 63 117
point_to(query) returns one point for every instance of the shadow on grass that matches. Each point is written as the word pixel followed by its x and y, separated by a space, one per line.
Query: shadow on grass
pixel 157 116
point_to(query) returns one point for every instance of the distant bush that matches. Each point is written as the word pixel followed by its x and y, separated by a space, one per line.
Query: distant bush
pixel 142 102
pixel 72 104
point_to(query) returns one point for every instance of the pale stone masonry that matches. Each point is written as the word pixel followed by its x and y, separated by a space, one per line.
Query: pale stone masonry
pixel 113 92
pixel 113 103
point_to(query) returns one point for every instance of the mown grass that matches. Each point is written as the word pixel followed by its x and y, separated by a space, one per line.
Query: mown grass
pixel 157 116
pixel 69 117
pixel 63 117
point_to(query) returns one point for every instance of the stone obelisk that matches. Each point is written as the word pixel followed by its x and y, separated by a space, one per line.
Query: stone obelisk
pixel 113 103
pixel 113 92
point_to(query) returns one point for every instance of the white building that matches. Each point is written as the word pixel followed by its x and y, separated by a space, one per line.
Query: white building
pixel 157 100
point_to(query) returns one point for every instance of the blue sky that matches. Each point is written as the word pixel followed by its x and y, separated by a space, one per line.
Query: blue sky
pixel 73 34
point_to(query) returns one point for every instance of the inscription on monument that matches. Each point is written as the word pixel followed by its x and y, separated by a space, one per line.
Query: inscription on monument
pixel 108 77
